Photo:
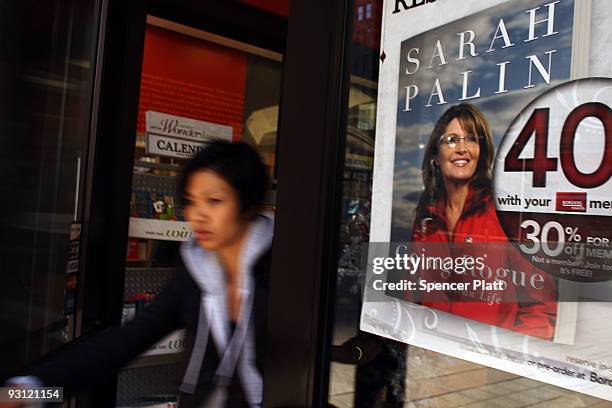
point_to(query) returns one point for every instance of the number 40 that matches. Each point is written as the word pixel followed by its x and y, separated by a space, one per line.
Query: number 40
pixel 540 164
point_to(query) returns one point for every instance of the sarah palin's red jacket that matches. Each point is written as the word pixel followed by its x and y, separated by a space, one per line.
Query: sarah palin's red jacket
pixel 523 308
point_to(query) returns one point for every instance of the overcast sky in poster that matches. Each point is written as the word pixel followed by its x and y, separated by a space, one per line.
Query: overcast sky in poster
pixel 415 126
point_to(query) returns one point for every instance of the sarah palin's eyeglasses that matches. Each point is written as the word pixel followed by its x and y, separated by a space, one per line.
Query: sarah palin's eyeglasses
pixel 451 141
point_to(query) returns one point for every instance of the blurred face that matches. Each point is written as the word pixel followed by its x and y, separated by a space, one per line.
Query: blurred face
pixel 458 153
pixel 213 210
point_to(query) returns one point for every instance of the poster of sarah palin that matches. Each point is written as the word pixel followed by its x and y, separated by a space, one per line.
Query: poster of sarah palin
pixel 489 85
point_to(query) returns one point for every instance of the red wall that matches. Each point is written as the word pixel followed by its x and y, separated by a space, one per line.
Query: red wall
pixel 280 7
pixel 193 78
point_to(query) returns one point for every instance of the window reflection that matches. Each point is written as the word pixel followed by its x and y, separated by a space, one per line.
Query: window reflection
pixel 46 77
pixel 368 370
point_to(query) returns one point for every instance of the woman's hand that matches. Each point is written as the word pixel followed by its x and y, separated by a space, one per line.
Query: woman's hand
pixel 18 404
pixel 14 403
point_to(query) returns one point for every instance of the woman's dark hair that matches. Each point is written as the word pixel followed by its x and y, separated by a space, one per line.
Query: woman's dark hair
pixel 473 121
pixel 238 164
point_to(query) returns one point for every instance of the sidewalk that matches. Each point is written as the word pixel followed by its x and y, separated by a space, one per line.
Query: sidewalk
pixel 438 381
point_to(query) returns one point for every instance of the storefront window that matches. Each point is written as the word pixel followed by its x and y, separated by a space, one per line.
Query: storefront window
pixel 377 360
pixel 47 63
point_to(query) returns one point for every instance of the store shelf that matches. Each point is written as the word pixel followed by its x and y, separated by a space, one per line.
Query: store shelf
pixel 160 166
pixel 155 360
pixel 159 229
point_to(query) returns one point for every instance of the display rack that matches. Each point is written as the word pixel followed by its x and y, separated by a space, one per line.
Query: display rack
pixel 151 378
pixel 154 182
pixel 138 385
pixel 145 280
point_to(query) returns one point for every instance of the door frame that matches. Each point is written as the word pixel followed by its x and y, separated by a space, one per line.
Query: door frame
pixel 311 147
pixel 312 129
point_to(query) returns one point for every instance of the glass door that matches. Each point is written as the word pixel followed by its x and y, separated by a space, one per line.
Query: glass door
pixel 48 61
pixel 194 86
